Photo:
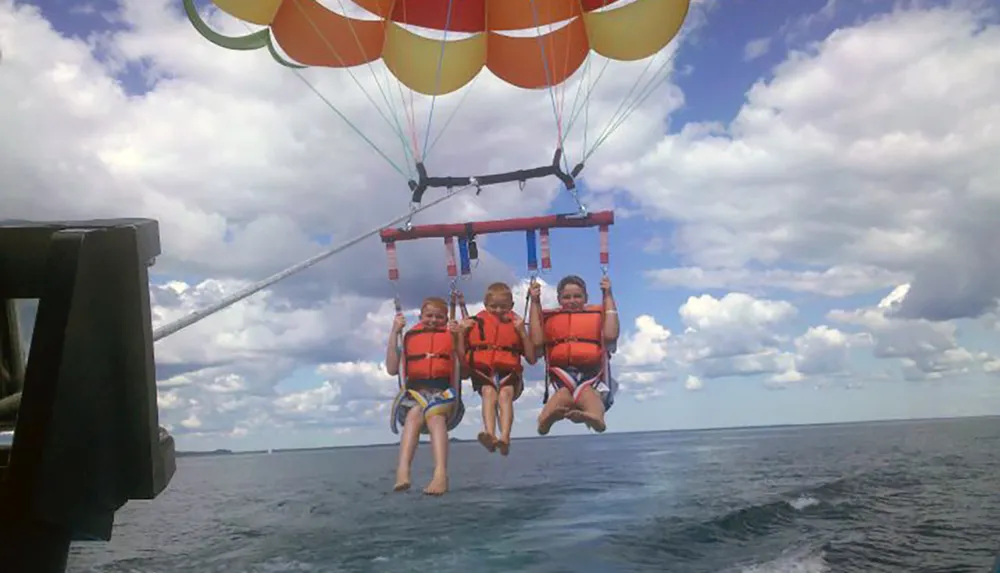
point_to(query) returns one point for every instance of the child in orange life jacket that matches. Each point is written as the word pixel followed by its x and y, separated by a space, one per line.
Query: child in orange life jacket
pixel 429 349
pixel 495 341
pixel 577 337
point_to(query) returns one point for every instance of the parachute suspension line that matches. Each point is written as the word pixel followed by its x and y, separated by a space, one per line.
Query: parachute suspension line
pixel 333 107
pixel 576 98
pixel 256 287
pixel 621 106
pixel 409 144
pixel 562 105
pixel 411 114
pixel 385 96
pixel 451 116
pixel 349 123
pixel 560 88
pixel 410 118
pixel 335 54
pixel 647 90
pixel 548 76
pixel 333 51
pixel 585 108
pixel 410 151
pixel 437 77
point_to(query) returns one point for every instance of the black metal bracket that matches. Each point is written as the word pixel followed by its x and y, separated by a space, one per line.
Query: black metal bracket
pixel 87 437
pixel 424 182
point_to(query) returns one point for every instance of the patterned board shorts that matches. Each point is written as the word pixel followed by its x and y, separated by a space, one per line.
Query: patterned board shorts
pixel 576 381
pixel 498 380
pixel 433 402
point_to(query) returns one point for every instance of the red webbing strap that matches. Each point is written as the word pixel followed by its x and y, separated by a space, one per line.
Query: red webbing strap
pixel 449 248
pixel 390 253
pixel 604 245
pixel 543 236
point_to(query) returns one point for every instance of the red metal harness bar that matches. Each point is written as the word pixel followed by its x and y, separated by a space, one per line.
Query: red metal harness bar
pixel 598 219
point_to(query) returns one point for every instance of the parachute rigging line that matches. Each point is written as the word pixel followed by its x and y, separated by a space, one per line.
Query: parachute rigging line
pixel 408 152
pixel 646 91
pixel 437 77
pixel 548 73
pixel 261 38
pixel 184 322
pixel 310 34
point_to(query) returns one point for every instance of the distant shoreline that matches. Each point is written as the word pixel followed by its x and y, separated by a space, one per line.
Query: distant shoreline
pixel 227 452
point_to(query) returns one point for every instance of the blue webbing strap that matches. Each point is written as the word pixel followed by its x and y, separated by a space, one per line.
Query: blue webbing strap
pixel 532 250
pixel 463 255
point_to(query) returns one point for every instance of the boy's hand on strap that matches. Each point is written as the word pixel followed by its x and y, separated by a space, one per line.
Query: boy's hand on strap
pixel 606 285
pixel 454 327
pixel 535 291
pixel 398 323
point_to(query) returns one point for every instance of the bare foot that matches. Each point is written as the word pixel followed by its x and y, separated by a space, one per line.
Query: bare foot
pixel 545 422
pixel 503 444
pixel 402 480
pixel 576 416
pixel 488 441
pixel 593 422
pixel 438 485
pixel 598 425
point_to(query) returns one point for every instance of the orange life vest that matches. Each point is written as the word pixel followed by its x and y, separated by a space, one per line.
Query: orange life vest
pixel 573 337
pixel 493 345
pixel 428 353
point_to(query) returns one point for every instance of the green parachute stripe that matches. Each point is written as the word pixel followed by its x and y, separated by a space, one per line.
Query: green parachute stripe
pixel 252 41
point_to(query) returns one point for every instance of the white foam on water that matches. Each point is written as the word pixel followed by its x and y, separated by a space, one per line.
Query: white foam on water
pixel 281 565
pixel 802 561
pixel 803 502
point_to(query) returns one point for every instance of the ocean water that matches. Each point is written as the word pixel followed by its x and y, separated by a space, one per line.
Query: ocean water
pixel 920 496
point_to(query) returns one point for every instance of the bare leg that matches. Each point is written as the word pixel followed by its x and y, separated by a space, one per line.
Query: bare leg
pixel 506 418
pixel 408 447
pixel 488 436
pixel 555 409
pixel 438 427
pixel 591 410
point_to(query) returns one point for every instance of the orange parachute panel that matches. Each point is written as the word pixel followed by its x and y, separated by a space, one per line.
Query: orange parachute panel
pixel 314 35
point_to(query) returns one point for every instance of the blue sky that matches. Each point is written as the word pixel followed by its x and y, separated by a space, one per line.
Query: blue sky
pixel 728 48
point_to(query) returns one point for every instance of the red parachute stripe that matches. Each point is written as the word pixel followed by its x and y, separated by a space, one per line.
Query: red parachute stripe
pixel 478 15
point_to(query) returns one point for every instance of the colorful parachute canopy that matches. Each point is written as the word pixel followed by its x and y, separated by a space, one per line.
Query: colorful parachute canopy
pixel 313 35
